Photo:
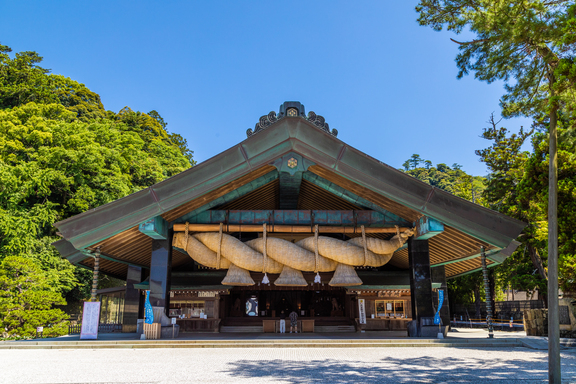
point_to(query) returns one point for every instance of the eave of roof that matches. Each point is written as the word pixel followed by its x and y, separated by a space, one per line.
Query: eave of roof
pixel 297 135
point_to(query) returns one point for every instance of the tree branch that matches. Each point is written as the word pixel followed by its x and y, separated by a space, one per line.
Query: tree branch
pixel 469 42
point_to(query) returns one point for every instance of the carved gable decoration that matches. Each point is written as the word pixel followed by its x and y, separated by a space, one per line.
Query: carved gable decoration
pixel 291 109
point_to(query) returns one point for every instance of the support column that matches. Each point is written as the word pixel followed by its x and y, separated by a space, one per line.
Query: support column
pixel 487 294
pixel 95 275
pixel 160 271
pixel 420 284
pixel 131 299
pixel 439 276
pixel 217 319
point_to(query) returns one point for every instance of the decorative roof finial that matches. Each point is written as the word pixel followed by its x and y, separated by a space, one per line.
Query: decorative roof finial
pixel 291 109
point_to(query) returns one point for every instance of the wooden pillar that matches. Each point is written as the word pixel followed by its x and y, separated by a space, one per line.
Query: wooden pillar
pixel 420 284
pixel 131 299
pixel 160 271
pixel 217 313
pixel 95 274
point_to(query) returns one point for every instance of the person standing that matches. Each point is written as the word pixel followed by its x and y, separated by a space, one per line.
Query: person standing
pixel 282 322
pixel 293 321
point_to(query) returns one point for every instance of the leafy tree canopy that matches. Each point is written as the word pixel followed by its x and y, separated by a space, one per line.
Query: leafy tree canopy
pixel 451 179
pixel 530 45
pixel 62 153
pixel 27 300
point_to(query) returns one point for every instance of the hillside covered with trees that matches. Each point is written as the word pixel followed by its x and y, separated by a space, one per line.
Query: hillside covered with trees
pixel 62 153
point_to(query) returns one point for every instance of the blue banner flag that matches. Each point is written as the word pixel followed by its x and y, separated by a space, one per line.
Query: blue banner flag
pixel 440 301
pixel 148 312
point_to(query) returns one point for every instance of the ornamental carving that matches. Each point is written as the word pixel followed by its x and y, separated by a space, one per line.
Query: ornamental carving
pixel 321 123
pixel 269 119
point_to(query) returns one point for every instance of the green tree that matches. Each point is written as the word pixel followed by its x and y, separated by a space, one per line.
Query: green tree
pixel 62 153
pixel 455 181
pixel 507 164
pixel 22 80
pixel 27 301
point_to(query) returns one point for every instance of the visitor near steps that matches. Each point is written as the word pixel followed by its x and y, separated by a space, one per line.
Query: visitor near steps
pixel 293 321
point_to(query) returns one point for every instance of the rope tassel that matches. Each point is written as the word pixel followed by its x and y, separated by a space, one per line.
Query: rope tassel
pixel 265 280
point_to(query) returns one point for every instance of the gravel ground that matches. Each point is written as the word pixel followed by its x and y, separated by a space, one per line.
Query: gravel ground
pixel 282 365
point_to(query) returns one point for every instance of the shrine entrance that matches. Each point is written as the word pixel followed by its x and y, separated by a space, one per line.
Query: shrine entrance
pixel 326 306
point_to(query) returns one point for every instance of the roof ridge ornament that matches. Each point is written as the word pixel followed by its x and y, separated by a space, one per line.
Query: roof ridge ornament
pixel 291 109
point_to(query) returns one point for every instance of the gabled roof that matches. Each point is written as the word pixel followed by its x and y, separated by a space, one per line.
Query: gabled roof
pixel 290 134
pixel 251 159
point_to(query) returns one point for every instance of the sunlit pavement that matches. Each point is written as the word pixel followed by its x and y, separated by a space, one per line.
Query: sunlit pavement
pixel 281 365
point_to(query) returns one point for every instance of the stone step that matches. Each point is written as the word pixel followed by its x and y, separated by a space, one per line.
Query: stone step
pixel 241 329
pixel 292 343
pixel 334 328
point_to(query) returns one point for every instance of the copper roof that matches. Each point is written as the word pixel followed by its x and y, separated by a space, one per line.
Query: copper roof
pixel 114 226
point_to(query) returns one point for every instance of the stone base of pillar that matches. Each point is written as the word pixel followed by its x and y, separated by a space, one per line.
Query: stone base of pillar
pixel 429 331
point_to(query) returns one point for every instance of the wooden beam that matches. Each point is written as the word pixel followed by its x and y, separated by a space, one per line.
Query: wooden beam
pixel 427 227
pixel 229 196
pixel 280 228
pixel 464 258
pixel 104 256
pixel 297 217
pixel 156 228
pixel 349 196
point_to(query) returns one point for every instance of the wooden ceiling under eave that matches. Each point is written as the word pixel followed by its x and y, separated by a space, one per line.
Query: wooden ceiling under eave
pixel 128 247
pixel 448 246
pixel 218 192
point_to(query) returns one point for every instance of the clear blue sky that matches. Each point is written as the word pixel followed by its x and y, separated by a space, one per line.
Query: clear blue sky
pixel 212 68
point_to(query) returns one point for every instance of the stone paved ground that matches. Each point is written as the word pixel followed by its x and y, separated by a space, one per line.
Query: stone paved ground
pixel 282 365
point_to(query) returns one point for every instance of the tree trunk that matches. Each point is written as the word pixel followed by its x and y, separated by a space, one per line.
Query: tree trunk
pixel 537 262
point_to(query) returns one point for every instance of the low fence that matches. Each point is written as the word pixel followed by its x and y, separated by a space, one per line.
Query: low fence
pixel 102 328
pixel 503 310
pixel 498 324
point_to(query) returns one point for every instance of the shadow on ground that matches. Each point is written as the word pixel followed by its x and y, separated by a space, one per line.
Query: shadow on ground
pixel 521 367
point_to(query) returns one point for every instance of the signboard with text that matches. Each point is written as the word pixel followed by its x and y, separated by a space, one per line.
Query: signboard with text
pixel 362 311
pixel 90 320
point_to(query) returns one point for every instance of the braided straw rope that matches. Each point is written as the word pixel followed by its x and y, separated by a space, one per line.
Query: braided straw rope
pixel 364 244
pixel 264 253
pixel 219 250
pixel 219 253
pixel 316 248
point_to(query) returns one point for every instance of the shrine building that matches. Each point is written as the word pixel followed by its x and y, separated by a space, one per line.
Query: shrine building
pixel 290 219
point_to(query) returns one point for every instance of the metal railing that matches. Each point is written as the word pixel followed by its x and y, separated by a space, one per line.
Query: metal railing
pixel 502 309
pixel 102 328
pixel 499 324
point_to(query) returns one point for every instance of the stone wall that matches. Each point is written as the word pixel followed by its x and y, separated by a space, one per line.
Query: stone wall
pixel 536 322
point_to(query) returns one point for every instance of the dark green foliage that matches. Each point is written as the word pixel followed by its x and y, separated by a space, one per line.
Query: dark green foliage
pixel 27 300
pixel 22 81
pixel 61 154
pixel 453 180
pixel 529 44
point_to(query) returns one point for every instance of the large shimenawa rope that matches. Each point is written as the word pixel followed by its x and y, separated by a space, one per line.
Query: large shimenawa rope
pixel 361 251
